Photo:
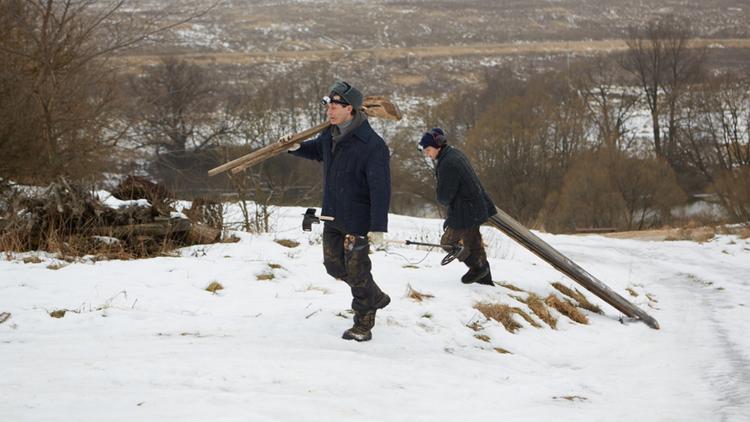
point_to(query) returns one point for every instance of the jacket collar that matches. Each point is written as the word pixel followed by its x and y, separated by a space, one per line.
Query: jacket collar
pixel 360 132
pixel 443 152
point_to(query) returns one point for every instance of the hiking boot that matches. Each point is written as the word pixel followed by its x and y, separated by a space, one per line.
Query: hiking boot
pixel 486 280
pixel 476 273
pixel 363 322
pixel 361 331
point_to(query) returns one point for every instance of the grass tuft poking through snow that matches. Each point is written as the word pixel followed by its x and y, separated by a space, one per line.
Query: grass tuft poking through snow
pixel 482 337
pixel 288 243
pixel 416 295
pixel 578 296
pixel 58 313
pixel 512 287
pixel 527 317
pixel 566 308
pixel 499 312
pixel 539 308
pixel 214 286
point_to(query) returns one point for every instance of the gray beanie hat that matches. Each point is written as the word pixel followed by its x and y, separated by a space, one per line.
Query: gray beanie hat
pixel 347 92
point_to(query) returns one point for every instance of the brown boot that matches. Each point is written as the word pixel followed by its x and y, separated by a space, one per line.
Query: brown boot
pixel 486 280
pixel 475 274
pixel 363 322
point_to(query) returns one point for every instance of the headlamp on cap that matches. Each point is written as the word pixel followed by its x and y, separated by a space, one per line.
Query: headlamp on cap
pixel 327 100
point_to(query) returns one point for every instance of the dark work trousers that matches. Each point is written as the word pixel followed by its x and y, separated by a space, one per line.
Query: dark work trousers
pixel 471 239
pixel 345 257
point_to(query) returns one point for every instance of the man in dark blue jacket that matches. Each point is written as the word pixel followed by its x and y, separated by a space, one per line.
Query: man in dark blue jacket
pixel 459 189
pixel 356 192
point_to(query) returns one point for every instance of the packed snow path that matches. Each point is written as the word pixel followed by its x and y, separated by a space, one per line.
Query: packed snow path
pixel 144 340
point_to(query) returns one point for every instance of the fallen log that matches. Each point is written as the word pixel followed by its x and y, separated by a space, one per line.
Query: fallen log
pixel 161 227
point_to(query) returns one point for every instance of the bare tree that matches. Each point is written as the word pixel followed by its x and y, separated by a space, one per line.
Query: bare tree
pixel 523 144
pixel 55 55
pixel 717 142
pixel 609 102
pixel 661 59
pixel 180 112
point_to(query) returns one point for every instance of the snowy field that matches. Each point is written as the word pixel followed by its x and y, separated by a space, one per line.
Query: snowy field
pixel 144 341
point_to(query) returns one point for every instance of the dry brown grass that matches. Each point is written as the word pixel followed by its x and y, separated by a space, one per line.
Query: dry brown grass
pixel 566 308
pixel 288 243
pixel 416 295
pixel 214 286
pixel 275 266
pixel 578 297
pixel 631 291
pixel 527 317
pixel 512 287
pixel 311 288
pixel 499 312
pixel 88 241
pixel 570 398
pixel 265 276
pixel 699 234
pixel 59 313
pixel 502 351
pixel 475 326
pixel 539 308
pixel 482 337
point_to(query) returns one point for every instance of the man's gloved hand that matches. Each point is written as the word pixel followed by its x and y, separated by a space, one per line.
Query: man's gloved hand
pixel 287 138
pixel 377 240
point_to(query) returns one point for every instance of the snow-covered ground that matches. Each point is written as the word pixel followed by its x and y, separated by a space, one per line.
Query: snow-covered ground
pixel 146 342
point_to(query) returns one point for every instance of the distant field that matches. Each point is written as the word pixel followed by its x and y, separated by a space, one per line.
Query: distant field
pixel 484 50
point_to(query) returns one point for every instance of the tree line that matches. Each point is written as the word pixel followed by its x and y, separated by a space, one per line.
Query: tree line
pixel 562 149
pixel 557 149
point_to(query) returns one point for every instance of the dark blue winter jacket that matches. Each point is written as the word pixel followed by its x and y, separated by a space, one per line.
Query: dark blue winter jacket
pixel 356 178
pixel 459 189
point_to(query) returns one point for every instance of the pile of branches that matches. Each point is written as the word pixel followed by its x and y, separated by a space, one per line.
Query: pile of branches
pixel 69 218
